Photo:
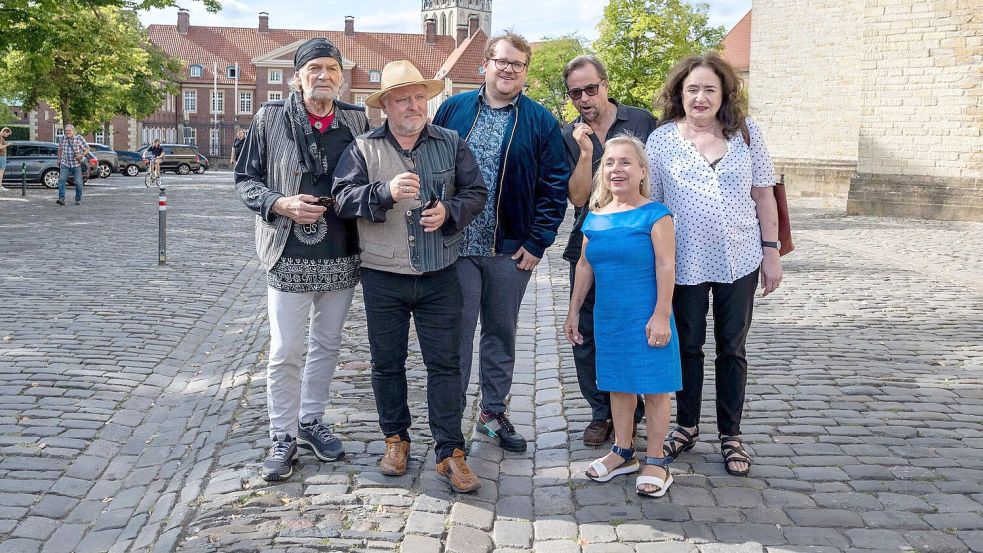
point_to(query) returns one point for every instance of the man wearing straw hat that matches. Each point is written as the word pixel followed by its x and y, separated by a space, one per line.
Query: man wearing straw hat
pixel 412 187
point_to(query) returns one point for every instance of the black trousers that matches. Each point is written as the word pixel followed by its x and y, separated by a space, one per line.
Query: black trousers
pixel 434 301
pixel 583 358
pixel 732 307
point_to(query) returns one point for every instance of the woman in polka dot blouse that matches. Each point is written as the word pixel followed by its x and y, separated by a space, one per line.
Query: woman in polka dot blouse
pixel 709 165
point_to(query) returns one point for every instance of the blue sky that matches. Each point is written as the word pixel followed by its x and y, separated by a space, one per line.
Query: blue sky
pixel 535 20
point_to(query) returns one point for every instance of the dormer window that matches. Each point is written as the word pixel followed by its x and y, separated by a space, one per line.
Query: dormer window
pixel 375 76
pixel 232 72
pixel 196 71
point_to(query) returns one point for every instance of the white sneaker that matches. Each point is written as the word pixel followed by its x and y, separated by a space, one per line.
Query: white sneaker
pixel 4 188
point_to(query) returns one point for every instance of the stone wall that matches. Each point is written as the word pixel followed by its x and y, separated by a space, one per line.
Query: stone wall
pixel 804 90
pixel 880 100
pixel 921 134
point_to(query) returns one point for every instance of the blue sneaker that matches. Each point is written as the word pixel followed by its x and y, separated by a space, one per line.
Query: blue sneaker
pixel 279 463
pixel 318 438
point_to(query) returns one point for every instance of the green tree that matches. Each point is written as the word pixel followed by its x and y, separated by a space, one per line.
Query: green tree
pixel 545 77
pixel 25 24
pixel 640 40
pixel 94 64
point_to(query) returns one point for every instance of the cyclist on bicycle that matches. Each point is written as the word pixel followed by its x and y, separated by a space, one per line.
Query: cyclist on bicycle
pixel 155 155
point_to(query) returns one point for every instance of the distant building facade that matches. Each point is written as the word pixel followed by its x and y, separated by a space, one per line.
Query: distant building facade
pixel 878 101
pixel 230 71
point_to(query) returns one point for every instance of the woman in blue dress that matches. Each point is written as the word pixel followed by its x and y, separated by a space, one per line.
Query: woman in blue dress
pixel 629 248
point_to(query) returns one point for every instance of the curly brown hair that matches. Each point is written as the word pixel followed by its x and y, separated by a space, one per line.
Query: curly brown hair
pixel 733 105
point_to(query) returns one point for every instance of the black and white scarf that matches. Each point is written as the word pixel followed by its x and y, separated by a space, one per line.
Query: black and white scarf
pixel 312 158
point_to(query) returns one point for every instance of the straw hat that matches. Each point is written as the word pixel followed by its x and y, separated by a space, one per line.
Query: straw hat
pixel 397 74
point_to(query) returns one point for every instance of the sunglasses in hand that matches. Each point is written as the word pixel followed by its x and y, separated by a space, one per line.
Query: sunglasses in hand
pixel 324 201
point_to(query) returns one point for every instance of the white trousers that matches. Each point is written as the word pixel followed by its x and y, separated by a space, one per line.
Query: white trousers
pixel 293 394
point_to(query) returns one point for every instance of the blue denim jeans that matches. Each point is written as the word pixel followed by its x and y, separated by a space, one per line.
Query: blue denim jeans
pixel 434 301
pixel 63 174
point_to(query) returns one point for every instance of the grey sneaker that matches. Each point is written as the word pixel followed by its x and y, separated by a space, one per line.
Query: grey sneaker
pixel 318 438
pixel 279 463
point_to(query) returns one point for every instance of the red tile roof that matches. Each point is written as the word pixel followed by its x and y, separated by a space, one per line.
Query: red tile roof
pixel 737 44
pixel 463 63
pixel 369 51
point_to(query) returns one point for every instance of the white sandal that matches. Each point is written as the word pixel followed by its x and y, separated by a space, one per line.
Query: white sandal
pixel 629 466
pixel 662 485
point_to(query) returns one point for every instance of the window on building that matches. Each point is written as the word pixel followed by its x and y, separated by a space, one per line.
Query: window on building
pixel 375 76
pixel 360 100
pixel 190 101
pixel 231 72
pixel 214 142
pixel 190 136
pixel 59 132
pixel 275 76
pixel 274 95
pixel 218 101
pixel 246 103
pixel 100 137
pixel 196 71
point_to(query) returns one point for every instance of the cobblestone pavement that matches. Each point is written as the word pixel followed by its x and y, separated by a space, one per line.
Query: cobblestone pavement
pixel 132 407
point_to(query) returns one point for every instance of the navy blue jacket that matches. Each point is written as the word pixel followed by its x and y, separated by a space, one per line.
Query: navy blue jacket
pixel 533 172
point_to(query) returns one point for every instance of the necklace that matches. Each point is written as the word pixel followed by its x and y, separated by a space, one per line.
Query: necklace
pixel 321 122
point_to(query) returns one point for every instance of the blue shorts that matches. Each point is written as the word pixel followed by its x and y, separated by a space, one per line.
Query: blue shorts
pixel 3 162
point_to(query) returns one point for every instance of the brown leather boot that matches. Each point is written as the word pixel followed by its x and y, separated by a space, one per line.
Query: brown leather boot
pixel 396 456
pixel 597 432
pixel 455 470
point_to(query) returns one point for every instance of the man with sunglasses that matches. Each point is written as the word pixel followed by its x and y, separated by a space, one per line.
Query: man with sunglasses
pixel 519 149
pixel 600 118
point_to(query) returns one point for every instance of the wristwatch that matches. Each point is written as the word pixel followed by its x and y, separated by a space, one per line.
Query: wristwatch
pixel 767 244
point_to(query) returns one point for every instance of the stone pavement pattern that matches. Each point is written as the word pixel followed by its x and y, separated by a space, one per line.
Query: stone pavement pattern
pixel 132 406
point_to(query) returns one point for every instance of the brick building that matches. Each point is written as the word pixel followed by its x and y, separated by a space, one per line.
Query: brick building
pixel 876 101
pixel 230 71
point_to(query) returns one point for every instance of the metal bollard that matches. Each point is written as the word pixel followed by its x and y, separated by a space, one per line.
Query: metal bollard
pixel 23 179
pixel 162 227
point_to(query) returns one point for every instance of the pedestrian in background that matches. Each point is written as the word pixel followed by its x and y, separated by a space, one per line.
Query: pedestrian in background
pixel 284 176
pixel 4 133
pixel 237 145
pixel 629 251
pixel 519 149
pixel 710 166
pixel 72 150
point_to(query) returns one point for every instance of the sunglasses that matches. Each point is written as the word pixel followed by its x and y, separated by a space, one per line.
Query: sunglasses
pixel 578 93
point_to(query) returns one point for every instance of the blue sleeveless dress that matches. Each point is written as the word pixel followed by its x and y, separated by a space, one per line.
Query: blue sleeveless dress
pixel 619 249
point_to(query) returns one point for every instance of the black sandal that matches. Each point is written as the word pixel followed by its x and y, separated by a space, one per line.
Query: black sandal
pixel 734 454
pixel 674 445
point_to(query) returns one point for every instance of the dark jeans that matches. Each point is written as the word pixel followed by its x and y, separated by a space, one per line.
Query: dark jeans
pixel 493 288
pixel 434 301
pixel 583 358
pixel 732 306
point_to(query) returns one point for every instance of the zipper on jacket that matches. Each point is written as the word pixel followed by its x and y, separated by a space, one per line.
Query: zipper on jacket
pixel 501 177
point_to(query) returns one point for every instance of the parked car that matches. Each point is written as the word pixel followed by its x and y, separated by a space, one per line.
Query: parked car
pixel 131 163
pixel 202 164
pixel 180 158
pixel 108 160
pixel 41 161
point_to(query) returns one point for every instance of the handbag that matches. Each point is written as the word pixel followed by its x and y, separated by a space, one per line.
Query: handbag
pixel 781 201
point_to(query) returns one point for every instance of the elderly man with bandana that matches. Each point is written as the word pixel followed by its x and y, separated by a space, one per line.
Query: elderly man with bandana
pixel 283 174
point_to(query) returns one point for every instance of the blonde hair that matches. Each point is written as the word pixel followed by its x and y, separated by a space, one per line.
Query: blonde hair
pixel 602 195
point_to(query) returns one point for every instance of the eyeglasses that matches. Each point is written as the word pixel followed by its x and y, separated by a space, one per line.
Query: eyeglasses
pixel 516 66
pixel 577 93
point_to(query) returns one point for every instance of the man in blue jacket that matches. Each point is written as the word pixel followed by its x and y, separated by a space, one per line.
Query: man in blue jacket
pixel 520 151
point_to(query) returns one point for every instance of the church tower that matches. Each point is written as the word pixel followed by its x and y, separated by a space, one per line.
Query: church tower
pixel 452 14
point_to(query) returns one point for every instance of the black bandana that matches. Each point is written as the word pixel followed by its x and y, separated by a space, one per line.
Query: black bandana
pixel 313 49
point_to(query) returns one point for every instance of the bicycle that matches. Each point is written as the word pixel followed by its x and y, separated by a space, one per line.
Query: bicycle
pixel 153 174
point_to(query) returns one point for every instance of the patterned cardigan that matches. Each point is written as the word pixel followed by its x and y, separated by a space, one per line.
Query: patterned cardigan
pixel 269 168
